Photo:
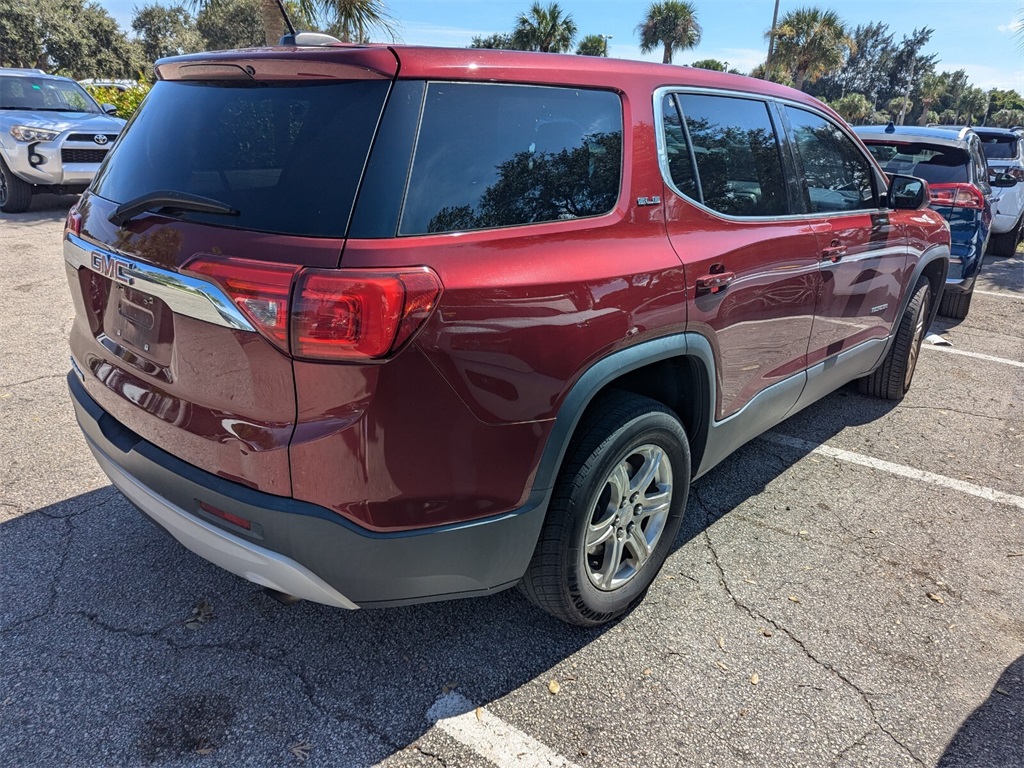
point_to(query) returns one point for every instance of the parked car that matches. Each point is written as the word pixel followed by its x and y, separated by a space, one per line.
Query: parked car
pixel 489 338
pixel 1004 152
pixel 53 136
pixel 117 85
pixel 952 162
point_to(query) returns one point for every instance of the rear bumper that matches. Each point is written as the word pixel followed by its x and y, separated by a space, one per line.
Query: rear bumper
pixel 303 549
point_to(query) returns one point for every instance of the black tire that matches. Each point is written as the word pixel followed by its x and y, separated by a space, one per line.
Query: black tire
pixel 955 305
pixel 620 432
pixel 891 380
pixel 1006 243
pixel 15 193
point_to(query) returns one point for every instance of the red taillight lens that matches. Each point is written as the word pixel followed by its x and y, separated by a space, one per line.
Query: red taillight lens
pixel 226 516
pixel 351 315
pixel 958 196
pixel 260 290
pixel 73 223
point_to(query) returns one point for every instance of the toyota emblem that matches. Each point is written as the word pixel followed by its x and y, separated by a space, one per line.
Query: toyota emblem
pixel 100 138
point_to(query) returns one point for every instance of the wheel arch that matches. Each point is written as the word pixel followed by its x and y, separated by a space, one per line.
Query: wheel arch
pixel 672 370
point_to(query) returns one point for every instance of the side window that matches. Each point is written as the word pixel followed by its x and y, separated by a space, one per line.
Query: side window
pixel 500 155
pixel 736 151
pixel 677 148
pixel 838 176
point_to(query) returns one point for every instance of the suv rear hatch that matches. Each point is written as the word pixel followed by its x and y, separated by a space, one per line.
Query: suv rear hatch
pixel 182 306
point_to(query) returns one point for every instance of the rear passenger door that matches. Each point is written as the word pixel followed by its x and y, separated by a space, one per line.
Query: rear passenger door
pixel 751 260
pixel 861 246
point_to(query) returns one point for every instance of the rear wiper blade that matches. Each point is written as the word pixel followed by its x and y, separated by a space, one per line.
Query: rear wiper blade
pixel 168 199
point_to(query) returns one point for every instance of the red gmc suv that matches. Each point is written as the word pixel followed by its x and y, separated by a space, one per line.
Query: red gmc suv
pixel 378 325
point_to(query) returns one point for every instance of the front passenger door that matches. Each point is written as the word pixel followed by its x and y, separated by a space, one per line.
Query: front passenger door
pixel 861 246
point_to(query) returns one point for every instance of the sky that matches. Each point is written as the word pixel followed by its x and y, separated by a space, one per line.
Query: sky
pixel 975 35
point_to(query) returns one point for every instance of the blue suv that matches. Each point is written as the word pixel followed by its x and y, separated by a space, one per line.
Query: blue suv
pixel 951 160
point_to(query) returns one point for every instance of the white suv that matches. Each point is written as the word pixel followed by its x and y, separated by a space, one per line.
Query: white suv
pixel 53 136
pixel 1004 151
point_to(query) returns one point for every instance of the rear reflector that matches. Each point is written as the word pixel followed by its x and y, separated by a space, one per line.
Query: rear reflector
pixel 341 314
pixel 227 517
pixel 73 223
pixel 958 196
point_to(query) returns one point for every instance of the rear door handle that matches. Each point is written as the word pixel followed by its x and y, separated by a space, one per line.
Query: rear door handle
pixel 715 283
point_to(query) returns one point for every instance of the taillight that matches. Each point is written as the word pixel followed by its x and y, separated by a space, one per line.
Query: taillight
pixel 73 223
pixel 260 290
pixel 958 196
pixel 332 314
pixel 351 315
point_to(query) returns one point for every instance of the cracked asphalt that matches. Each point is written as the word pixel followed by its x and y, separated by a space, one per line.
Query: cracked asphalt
pixel 815 612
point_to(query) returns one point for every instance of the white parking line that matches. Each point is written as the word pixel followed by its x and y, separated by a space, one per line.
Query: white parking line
pixel 975 355
pixel 1000 294
pixel 490 736
pixel 990 494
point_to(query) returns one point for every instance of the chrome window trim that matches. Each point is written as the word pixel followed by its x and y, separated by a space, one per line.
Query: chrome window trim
pixel 184 294
pixel 666 176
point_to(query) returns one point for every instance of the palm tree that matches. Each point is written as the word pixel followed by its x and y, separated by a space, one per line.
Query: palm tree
pixel 544 29
pixel 672 24
pixel 810 42
pixel 929 91
pixel 348 20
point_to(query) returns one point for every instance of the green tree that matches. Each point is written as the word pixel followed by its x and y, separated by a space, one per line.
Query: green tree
pixel 999 100
pixel 498 41
pixel 165 31
pixel 1004 118
pixel 22 36
pixel 230 24
pixel 670 24
pixel 853 107
pixel 82 40
pixel 545 29
pixel 929 91
pixel 592 45
pixel 809 43
pixel 713 64
pixel 973 104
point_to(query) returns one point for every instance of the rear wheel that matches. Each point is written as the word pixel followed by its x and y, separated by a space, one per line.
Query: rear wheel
pixel 615 511
pixel 15 193
pixel 956 305
pixel 891 380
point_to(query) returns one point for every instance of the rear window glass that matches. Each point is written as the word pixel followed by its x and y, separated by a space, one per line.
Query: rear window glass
pixel 934 163
pixel 999 147
pixel 501 155
pixel 287 156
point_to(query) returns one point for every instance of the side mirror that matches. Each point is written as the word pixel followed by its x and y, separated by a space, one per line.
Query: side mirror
pixel 110 109
pixel 907 193
pixel 1003 180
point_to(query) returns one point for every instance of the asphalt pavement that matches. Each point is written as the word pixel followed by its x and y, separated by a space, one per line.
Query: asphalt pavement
pixel 847 590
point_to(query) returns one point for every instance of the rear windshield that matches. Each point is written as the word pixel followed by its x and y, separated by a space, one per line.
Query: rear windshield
pixel 933 163
pixel 288 156
pixel 999 147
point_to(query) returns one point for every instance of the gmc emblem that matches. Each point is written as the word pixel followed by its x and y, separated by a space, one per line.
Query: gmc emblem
pixel 113 267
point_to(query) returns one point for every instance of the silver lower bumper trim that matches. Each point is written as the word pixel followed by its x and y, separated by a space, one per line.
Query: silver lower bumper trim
pixel 242 558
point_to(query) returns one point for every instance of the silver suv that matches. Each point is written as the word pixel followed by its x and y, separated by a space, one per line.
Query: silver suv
pixel 53 136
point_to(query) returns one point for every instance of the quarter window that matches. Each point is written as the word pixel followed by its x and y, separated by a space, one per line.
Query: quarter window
pixel 838 176
pixel 501 155
pixel 724 152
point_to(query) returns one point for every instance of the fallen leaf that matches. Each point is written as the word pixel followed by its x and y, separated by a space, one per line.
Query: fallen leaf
pixel 936 597
pixel 554 687
pixel 648 671
pixel 794 599
pixel 722 666
pixel 1002 691
pixel 804 533
pixel 201 613
pixel 721 643
pixel 766 632
pixel 204 747
pixel 300 751
pixel 479 714
pixel 755 679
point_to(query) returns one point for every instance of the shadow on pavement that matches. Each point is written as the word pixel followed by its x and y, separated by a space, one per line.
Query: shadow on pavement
pixel 118 646
pixel 993 736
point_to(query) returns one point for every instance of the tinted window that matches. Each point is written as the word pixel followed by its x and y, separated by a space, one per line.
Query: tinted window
pixel 677 150
pixel 838 176
pixel 934 163
pixel 999 147
pixel 739 168
pixel 288 156
pixel 500 155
